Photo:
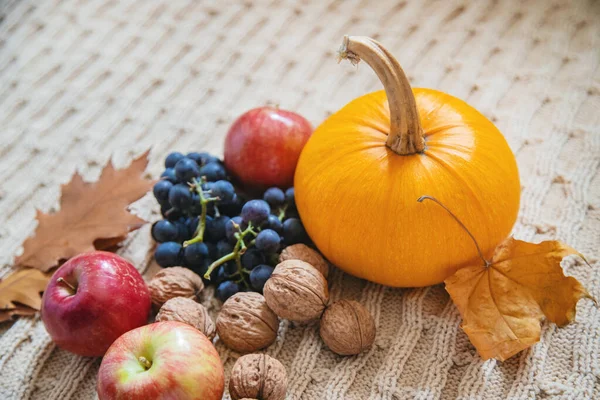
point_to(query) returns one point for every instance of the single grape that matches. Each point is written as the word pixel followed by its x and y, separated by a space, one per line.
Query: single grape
pixel 218 275
pixel 180 196
pixel 195 208
pixel 211 209
pixel 259 276
pixel 213 171
pixel 223 190
pixel 168 254
pixel 170 213
pixel 169 175
pixel 164 231
pixel 256 211
pixel 233 208
pixel 223 248
pixel 232 227
pixel 186 169
pixel 268 241
pixel 290 197
pixel 207 223
pixel 291 213
pixel 192 224
pixel 195 254
pixel 226 289
pixel 274 223
pixel 230 268
pixel 294 232
pixel 201 269
pixel 172 159
pixel 251 258
pixel 197 157
pixel 161 191
pixel 216 230
pixel 203 158
pixel 212 252
pixel 207 186
pixel 274 196
pixel 183 231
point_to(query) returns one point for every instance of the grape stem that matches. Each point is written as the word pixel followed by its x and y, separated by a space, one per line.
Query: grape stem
pixel 282 211
pixel 199 234
pixel 236 254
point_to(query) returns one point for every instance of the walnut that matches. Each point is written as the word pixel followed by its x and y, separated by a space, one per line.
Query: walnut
pixel 174 282
pixel 189 312
pixel 246 324
pixel 347 327
pixel 296 291
pixel 303 252
pixel 258 376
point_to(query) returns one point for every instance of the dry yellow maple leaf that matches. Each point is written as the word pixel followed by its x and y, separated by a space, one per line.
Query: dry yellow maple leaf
pixel 504 300
pixel 22 288
pixel 90 212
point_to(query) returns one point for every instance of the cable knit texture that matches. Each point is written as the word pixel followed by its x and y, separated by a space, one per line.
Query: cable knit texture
pixel 82 81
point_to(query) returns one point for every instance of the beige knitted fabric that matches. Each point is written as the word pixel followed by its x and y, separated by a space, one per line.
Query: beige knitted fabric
pixel 84 80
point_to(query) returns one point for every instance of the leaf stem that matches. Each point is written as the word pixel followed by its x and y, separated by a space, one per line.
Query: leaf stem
pixel 420 200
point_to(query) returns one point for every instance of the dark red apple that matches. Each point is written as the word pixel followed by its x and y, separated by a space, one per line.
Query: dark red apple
pixel 92 300
pixel 262 147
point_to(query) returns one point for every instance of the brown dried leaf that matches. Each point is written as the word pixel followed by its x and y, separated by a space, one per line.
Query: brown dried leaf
pixel 88 212
pixel 9 315
pixel 23 287
pixel 503 304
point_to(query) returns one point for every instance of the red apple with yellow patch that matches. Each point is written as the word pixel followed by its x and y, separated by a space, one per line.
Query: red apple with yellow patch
pixel 162 361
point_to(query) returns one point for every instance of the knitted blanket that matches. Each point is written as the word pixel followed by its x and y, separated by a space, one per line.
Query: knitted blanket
pixel 82 81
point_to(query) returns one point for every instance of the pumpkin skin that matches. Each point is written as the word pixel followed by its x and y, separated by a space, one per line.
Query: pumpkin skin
pixel 358 199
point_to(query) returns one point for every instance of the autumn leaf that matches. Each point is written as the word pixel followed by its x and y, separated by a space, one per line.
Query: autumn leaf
pixel 503 304
pixel 9 315
pixel 22 288
pixel 89 213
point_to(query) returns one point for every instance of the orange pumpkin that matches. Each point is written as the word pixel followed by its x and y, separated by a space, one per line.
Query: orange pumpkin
pixel 359 177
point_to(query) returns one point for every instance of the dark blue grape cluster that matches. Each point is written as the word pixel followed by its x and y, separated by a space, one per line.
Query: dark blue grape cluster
pixel 210 228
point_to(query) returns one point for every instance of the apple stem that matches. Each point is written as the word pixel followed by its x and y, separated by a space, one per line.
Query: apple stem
pixel 145 362
pixel 61 280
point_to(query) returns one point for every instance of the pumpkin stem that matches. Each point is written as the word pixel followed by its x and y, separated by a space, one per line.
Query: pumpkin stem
pixel 406 133
pixel 420 200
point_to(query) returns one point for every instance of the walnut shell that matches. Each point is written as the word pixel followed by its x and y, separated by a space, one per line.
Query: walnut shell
pixel 189 312
pixel 347 328
pixel 258 376
pixel 303 252
pixel 296 291
pixel 173 282
pixel 246 324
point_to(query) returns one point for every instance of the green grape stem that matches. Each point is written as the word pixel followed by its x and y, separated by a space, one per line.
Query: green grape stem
pixel 282 211
pixel 199 233
pixel 236 254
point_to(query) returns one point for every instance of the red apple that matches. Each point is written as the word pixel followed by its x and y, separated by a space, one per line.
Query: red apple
pixel 263 145
pixel 164 360
pixel 92 300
